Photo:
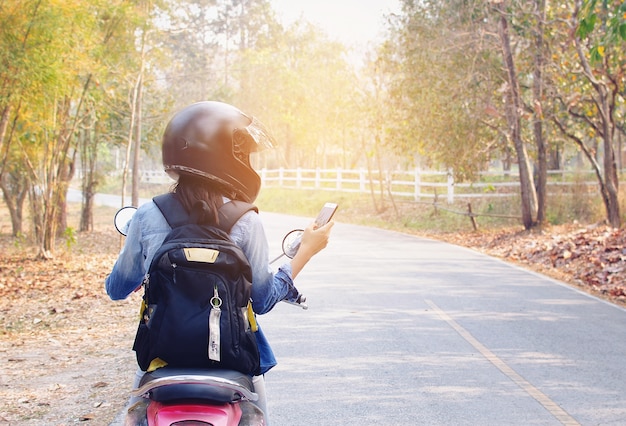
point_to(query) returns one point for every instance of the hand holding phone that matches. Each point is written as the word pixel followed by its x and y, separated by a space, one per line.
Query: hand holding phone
pixel 326 214
pixel 291 243
pixel 313 239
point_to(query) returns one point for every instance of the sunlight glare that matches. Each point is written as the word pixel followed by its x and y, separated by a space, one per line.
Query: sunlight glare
pixel 352 22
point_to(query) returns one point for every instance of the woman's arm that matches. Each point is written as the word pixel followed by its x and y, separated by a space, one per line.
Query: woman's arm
pixel 313 241
pixel 128 271
pixel 269 288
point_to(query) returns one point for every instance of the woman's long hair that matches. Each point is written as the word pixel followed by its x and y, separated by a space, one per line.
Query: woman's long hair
pixel 191 190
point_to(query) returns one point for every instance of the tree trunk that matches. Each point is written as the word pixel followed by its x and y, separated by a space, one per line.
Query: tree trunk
pixel 370 178
pixel 14 199
pixel 4 122
pixel 14 184
pixel 66 174
pixel 555 159
pixel 381 184
pixel 59 171
pixel 542 160
pixel 137 143
pixel 620 159
pixel 89 162
pixel 528 194
pixel 35 195
pixel 610 175
pixel 131 132
pixel 138 118
pixel 86 216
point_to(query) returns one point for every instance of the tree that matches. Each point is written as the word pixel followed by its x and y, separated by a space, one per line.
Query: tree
pixel 46 82
pixel 514 118
pixel 598 40
pixel 452 104
pixel 31 65
pixel 114 58
pixel 17 76
pixel 15 187
pixel 444 80
pixel 375 115
pixel 539 13
pixel 88 150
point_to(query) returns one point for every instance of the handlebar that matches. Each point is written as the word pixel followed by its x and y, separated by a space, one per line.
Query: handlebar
pixel 299 302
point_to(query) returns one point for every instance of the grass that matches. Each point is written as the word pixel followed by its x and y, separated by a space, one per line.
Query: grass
pixel 397 215
pixel 581 205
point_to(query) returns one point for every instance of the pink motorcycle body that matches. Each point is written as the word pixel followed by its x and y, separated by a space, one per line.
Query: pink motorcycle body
pixel 160 414
pixel 180 397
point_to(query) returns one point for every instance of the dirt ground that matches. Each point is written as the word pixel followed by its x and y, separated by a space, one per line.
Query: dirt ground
pixel 65 347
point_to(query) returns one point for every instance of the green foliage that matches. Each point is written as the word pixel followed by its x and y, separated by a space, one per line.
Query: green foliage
pixel 19 240
pixel 604 24
pixel 56 57
pixel 440 80
pixel 587 24
pixel 69 235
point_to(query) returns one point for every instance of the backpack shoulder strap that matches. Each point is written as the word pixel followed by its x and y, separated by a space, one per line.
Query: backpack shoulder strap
pixel 176 215
pixel 231 212
pixel 173 211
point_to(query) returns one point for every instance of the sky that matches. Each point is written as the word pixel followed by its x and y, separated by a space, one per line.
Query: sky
pixel 353 22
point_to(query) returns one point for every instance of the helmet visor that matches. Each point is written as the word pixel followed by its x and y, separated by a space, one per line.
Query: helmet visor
pixel 253 138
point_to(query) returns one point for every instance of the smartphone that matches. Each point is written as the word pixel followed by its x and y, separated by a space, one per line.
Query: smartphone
pixel 326 214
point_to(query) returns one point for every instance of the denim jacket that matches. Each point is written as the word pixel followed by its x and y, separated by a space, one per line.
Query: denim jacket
pixel 146 233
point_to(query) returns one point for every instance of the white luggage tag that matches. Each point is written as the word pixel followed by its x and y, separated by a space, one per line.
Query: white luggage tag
pixel 214 326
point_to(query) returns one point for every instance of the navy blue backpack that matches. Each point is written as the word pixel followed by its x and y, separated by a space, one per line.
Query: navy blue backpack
pixel 196 311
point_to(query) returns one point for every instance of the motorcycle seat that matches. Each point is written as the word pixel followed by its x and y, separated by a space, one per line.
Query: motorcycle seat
pixel 170 384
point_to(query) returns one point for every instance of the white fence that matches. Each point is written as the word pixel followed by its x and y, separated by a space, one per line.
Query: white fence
pixel 155 176
pixel 414 185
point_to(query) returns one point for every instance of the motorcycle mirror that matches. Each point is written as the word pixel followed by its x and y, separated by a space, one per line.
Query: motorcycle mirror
pixel 291 242
pixel 122 219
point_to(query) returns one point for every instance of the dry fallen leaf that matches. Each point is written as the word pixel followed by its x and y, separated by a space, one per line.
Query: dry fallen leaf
pixel 86 417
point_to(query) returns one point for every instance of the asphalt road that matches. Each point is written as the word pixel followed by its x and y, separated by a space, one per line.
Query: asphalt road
pixel 403 330
pixel 407 331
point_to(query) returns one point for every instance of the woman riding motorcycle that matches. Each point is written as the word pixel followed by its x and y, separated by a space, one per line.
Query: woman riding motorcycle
pixel 206 148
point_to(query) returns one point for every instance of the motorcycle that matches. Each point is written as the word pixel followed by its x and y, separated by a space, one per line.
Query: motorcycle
pixel 199 397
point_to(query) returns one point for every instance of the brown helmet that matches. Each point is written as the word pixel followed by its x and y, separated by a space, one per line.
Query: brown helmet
pixel 213 140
